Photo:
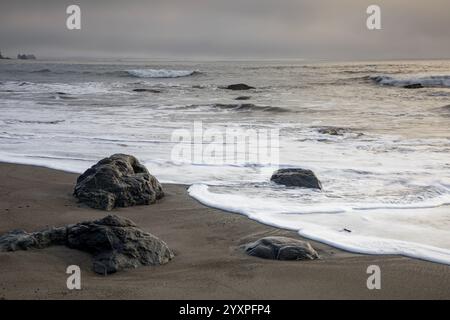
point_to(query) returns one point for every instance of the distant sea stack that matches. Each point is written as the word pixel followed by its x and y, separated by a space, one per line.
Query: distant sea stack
pixel 26 57
pixel 2 57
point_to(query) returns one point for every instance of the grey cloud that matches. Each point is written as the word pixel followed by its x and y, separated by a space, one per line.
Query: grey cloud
pixel 323 29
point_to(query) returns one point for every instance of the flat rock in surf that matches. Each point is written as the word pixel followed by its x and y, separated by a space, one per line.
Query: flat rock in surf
pixel 296 177
pixel 243 98
pixel 281 248
pixel 147 90
pixel 333 131
pixel 117 181
pixel 115 242
pixel 336 131
pixel 239 86
pixel 413 86
pixel 248 107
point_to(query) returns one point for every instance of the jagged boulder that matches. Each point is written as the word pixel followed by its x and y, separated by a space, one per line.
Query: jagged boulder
pixel 117 181
pixel 116 243
pixel 281 248
pixel 296 177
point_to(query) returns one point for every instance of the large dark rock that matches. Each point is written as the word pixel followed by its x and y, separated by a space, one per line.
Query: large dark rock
pixel 243 98
pixel 281 248
pixel 117 181
pixel 115 242
pixel 239 86
pixel 296 177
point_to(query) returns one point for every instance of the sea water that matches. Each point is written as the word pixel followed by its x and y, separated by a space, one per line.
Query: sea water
pixel 385 177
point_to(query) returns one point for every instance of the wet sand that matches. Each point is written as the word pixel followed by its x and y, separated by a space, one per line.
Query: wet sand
pixel 209 263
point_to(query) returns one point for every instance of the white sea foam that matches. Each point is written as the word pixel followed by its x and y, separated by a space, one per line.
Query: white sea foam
pixel 370 232
pixel 161 73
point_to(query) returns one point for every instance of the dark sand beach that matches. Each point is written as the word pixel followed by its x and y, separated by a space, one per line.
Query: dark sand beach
pixel 208 262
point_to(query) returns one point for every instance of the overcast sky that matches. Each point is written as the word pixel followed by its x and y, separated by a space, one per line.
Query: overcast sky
pixel 227 29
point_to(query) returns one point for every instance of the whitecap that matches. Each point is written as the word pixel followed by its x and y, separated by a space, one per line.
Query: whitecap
pixel 160 73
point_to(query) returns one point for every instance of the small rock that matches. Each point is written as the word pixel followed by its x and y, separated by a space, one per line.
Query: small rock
pixel 147 90
pixel 239 86
pixel 243 98
pixel 332 131
pixel 413 86
pixel 281 248
pixel 296 177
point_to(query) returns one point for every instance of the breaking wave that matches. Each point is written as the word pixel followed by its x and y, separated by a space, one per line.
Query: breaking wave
pixel 438 81
pixel 161 73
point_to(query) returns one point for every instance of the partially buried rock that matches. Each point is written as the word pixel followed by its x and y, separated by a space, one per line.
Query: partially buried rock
pixel 115 242
pixel 296 177
pixel 117 181
pixel 243 98
pixel 239 86
pixel 281 248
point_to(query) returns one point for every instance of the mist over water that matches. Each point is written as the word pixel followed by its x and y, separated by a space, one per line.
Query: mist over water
pixel 386 175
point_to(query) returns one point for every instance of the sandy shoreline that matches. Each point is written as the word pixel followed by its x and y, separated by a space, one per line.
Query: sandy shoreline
pixel 208 262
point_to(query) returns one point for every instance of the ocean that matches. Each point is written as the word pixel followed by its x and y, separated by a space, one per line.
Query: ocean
pixel 385 169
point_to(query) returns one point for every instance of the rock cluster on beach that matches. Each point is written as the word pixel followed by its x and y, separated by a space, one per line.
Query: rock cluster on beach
pixel 296 177
pixel 117 181
pixel 281 248
pixel 116 243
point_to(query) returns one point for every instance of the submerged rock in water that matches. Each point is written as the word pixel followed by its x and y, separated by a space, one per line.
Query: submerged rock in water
pixel 296 177
pixel 147 90
pixel 117 181
pixel 338 131
pixel 281 248
pixel 239 86
pixel 333 131
pixel 248 107
pixel 413 86
pixel 115 242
